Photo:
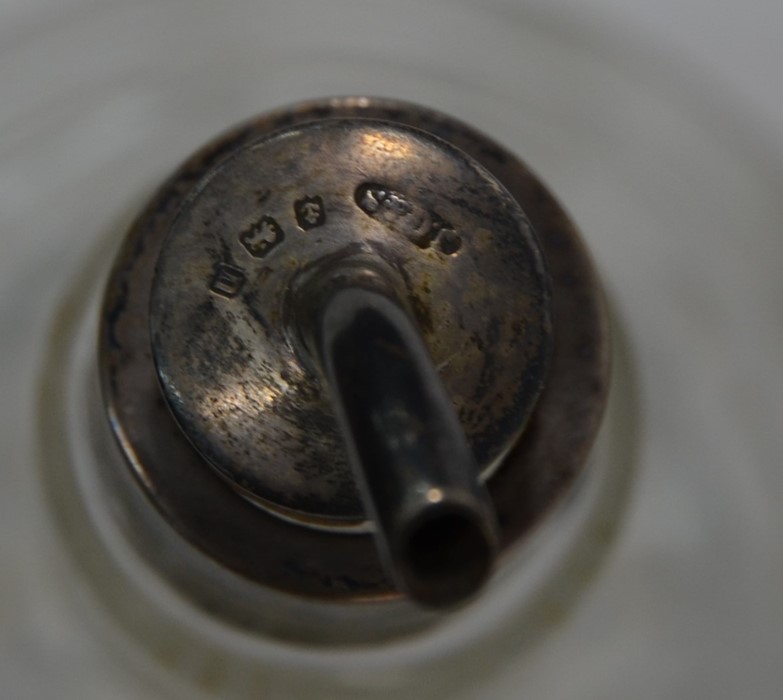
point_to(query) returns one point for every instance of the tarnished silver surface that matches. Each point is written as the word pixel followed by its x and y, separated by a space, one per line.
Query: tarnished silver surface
pixel 537 472
pixel 468 266
pixel 435 526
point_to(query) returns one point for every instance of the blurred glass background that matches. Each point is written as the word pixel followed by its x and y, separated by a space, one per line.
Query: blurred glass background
pixel 659 127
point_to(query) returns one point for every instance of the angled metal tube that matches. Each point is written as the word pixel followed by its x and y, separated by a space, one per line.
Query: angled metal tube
pixel 435 525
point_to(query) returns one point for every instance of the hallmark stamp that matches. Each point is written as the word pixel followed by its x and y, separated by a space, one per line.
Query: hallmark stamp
pixel 262 238
pixel 376 200
pixel 310 213
pixel 419 225
pixel 228 280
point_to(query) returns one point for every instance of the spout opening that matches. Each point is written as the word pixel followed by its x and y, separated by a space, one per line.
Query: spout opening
pixel 447 557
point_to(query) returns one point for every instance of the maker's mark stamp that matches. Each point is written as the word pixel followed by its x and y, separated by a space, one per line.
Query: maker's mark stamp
pixel 228 280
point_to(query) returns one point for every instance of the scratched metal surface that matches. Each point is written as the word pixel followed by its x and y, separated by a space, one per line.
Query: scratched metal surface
pixel 230 366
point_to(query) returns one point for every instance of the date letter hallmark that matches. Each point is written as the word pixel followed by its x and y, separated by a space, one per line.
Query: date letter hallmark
pixel 417 224
pixel 262 238
pixel 228 280
pixel 310 213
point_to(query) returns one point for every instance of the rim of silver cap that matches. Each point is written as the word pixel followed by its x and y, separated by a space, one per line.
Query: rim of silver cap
pixel 536 474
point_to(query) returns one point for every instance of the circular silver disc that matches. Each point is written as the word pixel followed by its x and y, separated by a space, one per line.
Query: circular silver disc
pixel 227 358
